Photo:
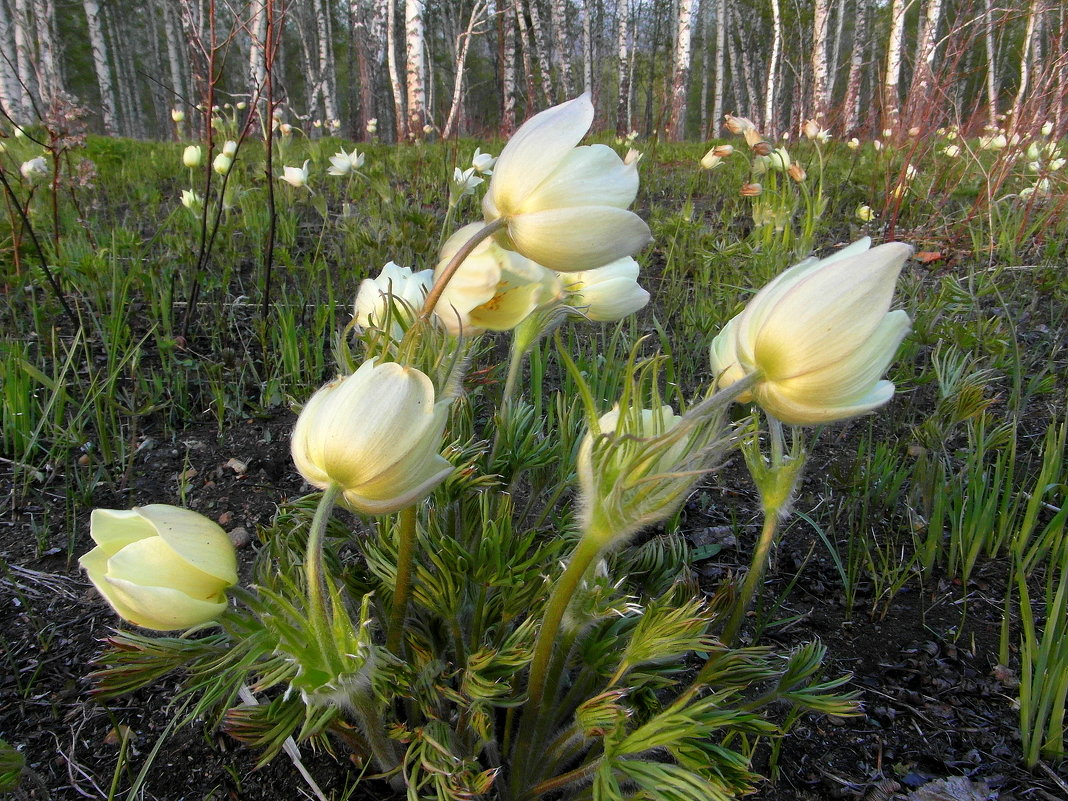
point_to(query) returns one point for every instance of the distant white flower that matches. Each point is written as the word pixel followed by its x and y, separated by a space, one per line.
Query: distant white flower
pixel 34 170
pixel 1047 128
pixel 295 176
pixel 1056 164
pixel 372 125
pixel 230 148
pixel 177 115
pixel 317 124
pixel 483 162
pixel 335 125
pixel 192 201
pixel 910 172
pixel 951 150
pixel 853 144
pixel 397 286
pixel 993 142
pixel 222 164
pixel 241 106
pixel 463 184
pixel 865 213
pixel 343 163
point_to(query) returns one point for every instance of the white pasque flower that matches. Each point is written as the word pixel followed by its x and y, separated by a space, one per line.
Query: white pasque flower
pixel 161 567
pixel 483 162
pixel 230 148
pixel 463 184
pixel 295 176
pixel 397 291
pixel 375 433
pixel 819 336
pixel 494 289
pixel 35 169
pixel 565 206
pixel 222 163
pixel 192 201
pixel 607 293
pixel 343 163
pixel 192 156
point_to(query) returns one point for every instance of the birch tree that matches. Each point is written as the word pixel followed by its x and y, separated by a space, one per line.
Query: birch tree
pixel 98 47
pixel 923 72
pixel 24 56
pixel 11 93
pixel 820 98
pixel 47 62
pixel 721 43
pixel 1034 10
pixel 773 66
pixel 400 116
pixel 680 82
pixel 895 41
pixel 414 42
pixel 542 48
pixel 562 54
pixel 524 39
pixel 506 50
pixel 623 67
pixel 463 44
pixel 851 103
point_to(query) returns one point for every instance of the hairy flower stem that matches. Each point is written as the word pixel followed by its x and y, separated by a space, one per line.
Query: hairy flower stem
pixel 405 556
pixel 582 557
pixel 488 230
pixel 753 578
pixel 313 562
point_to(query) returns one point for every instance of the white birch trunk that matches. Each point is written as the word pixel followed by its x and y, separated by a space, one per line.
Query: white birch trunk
pixel 416 66
pixel 895 41
pixel 836 50
pixel 506 31
pixel 1033 12
pixel 680 82
pixel 702 30
pixel 923 73
pixel 326 60
pixel 174 59
pixel 991 65
pixel 257 28
pixel 10 91
pixel 851 103
pixel 623 64
pixel 528 65
pixel 400 117
pixel 99 48
pixel 820 101
pixel 587 48
pixel 562 54
pixel 721 44
pixel 773 67
pixel 24 56
pixel 463 43
pixel 47 61
pixel 542 48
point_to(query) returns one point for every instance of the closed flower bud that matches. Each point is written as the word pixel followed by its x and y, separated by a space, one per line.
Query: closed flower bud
pixel 397 292
pixel 914 131
pixel 562 205
pixel 819 336
pixel 738 125
pixel 376 434
pixel 230 148
pixel 853 144
pixel 952 151
pixel 797 172
pixel 483 162
pixel 191 156
pixel 723 150
pixel 159 566
pixel 750 190
pixel 192 201
pixel 607 293
pixel 222 164
pixel 241 106
pixel 865 213
pixel 710 160
pixel 494 289
pixel 177 115
pixel 763 148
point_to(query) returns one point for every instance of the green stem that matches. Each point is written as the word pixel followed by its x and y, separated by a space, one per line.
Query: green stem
pixel 432 298
pixel 557 782
pixel 405 556
pixel 754 577
pixel 382 748
pixel 585 552
pixel 313 562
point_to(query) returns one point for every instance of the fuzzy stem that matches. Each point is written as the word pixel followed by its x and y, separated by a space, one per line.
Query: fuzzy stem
pixel 754 577
pixel 486 231
pixel 313 561
pixel 405 556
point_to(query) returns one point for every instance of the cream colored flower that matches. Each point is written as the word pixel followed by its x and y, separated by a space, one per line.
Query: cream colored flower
pixel 377 434
pixel 865 213
pixel 819 336
pixel 295 176
pixel 222 163
pixel 494 289
pixel 343 163
pixel 230 148
pixel 192 156
pixel 177 115
pixel 397 285
pixel 565 206
pixel 483 162
pixel 35 169
pixel 159 566
pixel 607 293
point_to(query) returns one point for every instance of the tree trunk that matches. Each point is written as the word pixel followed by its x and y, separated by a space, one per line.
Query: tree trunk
pixel 257 28
pixel 773 67
pixel 99 48
pixel 820 100
pixel 463 43
pixel 542 48
pixel 1033 12
pixel 562 53
pixel 836 50
pixel 47 60
pixel 721 44
pixel 174 59
pixel 416 67
pixel 680 81
pixel 24 57
pixel 506 36
pixel 851 104
pixel 587 48
pixel 326 60
pixel 891 94
pixel 11 100
pixel 400 117
pixel 623 66
pixel 702 30
pixel 744 104
pixel 528 65
pixel 923 73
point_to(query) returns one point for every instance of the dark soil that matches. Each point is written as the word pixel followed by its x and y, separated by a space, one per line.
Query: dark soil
pixel 935 704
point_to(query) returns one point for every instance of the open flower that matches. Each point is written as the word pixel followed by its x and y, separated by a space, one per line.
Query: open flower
pixel 295 176
pixel 463 183
pixel 819 336
pixel 397 285
pixel 607 293
pixel 343 163
pixel 161 567
pixel 377 434
pixel 565 206
pixel 483 162
pixel 494 288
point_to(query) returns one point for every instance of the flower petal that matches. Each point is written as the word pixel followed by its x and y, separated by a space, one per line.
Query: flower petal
pixel 201 542
pixel 153 563
pixel 799 413
pixel 162 608
pixel 588 176
pixel 114 529
pixel 579 238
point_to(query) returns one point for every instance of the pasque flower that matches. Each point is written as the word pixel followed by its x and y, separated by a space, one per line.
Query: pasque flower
pixel 607 293
pixel 191 156
pixel 161 567
pixel 562 205
pixel 295 176
pixel 35 169
pixel 483 162
pixel 819 336
pixel 494 288
pixel 343 163
pixel 399 285
pixel 222 163
pixel 376 434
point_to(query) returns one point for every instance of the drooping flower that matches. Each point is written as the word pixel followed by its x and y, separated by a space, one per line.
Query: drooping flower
pixel 607 293
pixel 295 176
pixel 375 433
pixel 483 162
pixel 494 288
pixel 396 292
pixel 161 567
pixel 343 163
pixel 562 205
pixel 819 336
